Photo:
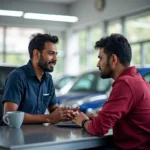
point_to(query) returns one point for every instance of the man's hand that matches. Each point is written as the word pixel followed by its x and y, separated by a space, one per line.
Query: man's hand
pixel 91 116
pixel 79 118
pixel 61 114
pixel 73 111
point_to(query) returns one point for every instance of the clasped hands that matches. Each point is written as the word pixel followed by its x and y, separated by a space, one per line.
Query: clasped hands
pixel 69 114
pixel 63 114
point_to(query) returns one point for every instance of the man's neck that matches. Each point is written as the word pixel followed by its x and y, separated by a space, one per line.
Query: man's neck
pixel 119 69
pixel 38 71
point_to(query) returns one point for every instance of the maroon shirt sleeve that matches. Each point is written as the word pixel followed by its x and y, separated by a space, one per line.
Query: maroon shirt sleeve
pixel 119 104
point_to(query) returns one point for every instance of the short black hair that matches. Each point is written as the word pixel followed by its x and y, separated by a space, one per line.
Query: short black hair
pixel 116 44
pixel 38 42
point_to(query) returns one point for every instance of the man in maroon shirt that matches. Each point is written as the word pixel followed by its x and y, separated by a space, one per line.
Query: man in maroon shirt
pixel 127 110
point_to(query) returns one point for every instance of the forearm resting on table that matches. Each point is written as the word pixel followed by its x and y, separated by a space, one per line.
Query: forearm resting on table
pixel 28 118
pixel 37 118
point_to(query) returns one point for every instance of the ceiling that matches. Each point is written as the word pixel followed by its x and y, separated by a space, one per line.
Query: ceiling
pixel 55 1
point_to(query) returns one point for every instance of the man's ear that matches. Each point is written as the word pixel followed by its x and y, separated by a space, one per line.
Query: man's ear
pixel 35 53
pixel 114 60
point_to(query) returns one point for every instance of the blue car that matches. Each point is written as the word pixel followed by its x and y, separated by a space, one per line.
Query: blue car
pixel 94 103
pixel 145 72
pixel 85 89
pixel 95 106
pixel 90 92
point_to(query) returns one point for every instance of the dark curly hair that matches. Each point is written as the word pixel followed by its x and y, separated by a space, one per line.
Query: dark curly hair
pixel 38 42
pixel 116 44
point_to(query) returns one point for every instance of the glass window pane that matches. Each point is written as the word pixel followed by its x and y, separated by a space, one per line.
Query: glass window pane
pixel 17 59
pixel 82 40
pixel 94 59
pixel 136 55
pixel 60 58
pixel 59 67
pixel 96 34
pixel 17 39
pixel 1 58
pixel 84 83
pixel 82 36
pixel 114 27
pixel 137 29
pixel 83 60
pixel 147 53
pixel 1 39
pixel 60 45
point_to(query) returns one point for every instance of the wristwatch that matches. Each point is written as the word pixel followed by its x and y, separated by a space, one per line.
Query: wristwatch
pixel 83 122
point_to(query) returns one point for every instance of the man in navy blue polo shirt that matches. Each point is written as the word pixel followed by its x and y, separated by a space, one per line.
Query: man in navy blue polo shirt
pixel 30 88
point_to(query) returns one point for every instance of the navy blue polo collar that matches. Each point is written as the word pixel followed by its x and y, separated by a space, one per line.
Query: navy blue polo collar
pixel 31 71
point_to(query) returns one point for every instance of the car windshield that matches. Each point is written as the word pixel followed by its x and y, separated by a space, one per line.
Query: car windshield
pixel 61 82
pixel 91 82
pixel 147 76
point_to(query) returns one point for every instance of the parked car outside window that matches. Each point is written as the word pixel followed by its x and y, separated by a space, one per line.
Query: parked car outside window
pixel 90 92
pixel 87 87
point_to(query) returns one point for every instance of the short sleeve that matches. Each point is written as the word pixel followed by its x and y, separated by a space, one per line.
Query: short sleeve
pixel 13 89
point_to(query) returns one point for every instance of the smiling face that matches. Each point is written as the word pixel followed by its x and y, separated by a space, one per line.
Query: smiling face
pixel 48 57
pixel 104 65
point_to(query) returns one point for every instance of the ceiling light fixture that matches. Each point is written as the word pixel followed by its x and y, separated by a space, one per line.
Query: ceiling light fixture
pixel 12 13
pixel 48 17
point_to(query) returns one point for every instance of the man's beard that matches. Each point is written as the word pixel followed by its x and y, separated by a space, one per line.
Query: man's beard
pixel 44 66
pixel 107 72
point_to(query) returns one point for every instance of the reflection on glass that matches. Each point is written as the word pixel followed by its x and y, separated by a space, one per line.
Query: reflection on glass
pixel 12 136
pixel 71 136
